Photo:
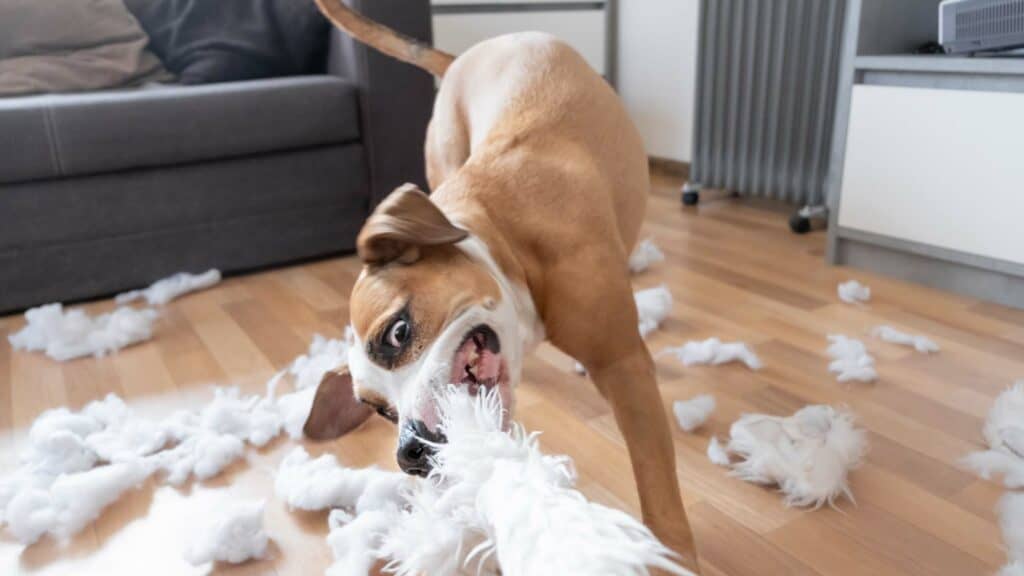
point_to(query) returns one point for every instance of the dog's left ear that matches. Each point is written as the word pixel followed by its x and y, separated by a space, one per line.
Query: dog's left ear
pixel 403 223
pixel 336 410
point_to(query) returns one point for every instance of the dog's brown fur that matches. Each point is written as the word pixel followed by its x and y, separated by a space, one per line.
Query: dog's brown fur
pixel 532 152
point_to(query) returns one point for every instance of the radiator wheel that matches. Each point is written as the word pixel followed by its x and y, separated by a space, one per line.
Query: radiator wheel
pixel 691 194
pixel 799 224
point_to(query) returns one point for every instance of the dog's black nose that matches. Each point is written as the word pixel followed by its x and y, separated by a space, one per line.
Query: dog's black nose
pixel 414 448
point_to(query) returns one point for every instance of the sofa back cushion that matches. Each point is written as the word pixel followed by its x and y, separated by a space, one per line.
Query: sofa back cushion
pixel 205 41
pixel 72 45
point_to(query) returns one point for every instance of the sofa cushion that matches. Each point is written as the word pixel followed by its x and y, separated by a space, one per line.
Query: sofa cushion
pixel 71 135
pixel 72 45
pixel 205 41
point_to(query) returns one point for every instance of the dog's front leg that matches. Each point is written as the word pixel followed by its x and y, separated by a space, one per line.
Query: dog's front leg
pixel 630 386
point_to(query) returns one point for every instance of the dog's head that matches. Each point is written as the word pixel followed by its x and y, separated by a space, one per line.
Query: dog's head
pixel 427 312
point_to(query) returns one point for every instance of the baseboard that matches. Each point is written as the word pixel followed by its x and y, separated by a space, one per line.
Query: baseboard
pixel 669 167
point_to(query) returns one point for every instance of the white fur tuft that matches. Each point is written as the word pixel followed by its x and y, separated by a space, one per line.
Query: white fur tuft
pixel 889 334
pixel 652 306
pixel 1004 433
pixel 717 453
pixel 163 291
pixel 853 292
pixel 713 351
pixel 851 360
pixel 693 413
pixel 808 455
pixel 233 534
pixel 645 254
pixel 65 335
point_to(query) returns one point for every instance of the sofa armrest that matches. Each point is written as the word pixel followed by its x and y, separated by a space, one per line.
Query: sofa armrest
pixel 395 98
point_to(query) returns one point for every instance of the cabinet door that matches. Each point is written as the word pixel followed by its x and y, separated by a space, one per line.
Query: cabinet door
pixel 943 168
pixel 582 29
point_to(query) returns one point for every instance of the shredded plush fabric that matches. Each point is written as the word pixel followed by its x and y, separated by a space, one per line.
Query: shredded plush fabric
pixel 850 359
pixel 1004 434
pixel 492 502
pixel 1011 520
pixel 808 455
pixel 713 351
pixel 163 291
pixel 65 335
pixel 717 453
pixel 324 354
pixel 233 534
pixel 644 255
pixel 889 334
pixel 693 413
pixel 653 306
pixel 853 292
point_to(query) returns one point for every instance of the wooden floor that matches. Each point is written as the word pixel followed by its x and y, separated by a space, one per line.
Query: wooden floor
pixel 736 273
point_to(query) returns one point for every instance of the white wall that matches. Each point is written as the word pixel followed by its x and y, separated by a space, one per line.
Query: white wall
pixel 657 63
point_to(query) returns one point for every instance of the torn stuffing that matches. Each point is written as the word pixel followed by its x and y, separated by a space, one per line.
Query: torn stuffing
pixel 233 534
pixel 653 306
pixel 163 291
pixel 850 359
pixel 1011 521
pixel 493 499
pixel 65 335
pixel 72 501
pixel 716 453
pixel 644 255
pixel 693 413
pixel 853 292
pixel 713 351
pixel 889 334
pixel 306 483
pixel 808 455
pixel 1004 434
pixel 324 354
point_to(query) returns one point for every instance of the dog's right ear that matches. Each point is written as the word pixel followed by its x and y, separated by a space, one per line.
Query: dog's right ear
pixel 336 410
pixel 405 221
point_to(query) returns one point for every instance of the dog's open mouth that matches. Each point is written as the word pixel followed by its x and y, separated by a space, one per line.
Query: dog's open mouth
pixel 478 363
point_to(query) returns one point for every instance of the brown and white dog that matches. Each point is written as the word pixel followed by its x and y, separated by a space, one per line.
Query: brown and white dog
pixel 540 184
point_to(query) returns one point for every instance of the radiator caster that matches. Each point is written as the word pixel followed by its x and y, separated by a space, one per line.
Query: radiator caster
pixel 691 194
pixel 799 224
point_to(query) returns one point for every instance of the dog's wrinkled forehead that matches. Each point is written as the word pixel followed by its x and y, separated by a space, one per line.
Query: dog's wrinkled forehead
pixel 425 296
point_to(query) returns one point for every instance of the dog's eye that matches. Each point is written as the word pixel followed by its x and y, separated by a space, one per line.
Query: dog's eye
pixel 398 334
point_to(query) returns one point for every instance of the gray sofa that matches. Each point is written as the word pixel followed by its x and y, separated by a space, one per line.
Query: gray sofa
pixel 106 191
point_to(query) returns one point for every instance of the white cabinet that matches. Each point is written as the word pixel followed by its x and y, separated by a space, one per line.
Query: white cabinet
pixel 940 168
pixel 459 24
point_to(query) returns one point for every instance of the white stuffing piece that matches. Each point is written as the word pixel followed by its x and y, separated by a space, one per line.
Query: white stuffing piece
pixel 163 291
pixel 493 500
pixel 233 533
pixel 1011 521
pixel 644 255
pixel 65 335
pixel 714 352
pixel 72 501
pixel 693 413
pixel 922 344
pixel 653 306
pixel 306 483
pixel 717 453
pixel 808 455
pixel 850 359
pixel 853 292
pixel 1004 434
pixel 324 354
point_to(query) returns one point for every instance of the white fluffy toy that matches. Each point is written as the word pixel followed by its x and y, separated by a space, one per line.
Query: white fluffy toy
pixel 808 455
pixel 1004 433
pixel 493 504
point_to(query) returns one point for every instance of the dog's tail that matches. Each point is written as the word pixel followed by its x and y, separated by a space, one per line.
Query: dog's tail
pixel 385 39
